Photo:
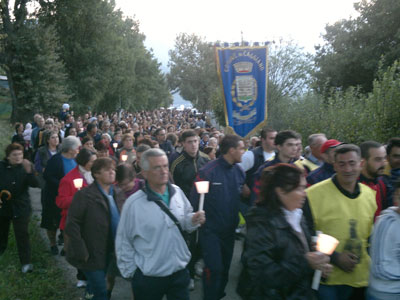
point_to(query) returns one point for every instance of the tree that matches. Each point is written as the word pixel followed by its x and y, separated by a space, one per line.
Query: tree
pixel 354 47
pixel 36 76
pixel 107 63
pixel 193 71
pixel 289 76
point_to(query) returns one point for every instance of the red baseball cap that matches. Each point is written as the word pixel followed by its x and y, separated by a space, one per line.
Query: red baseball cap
pixel 330 144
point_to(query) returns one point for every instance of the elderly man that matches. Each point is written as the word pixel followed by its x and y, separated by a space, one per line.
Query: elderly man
pixel 314 159
pixel 150 246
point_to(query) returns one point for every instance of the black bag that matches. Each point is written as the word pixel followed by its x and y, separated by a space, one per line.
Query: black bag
pixel 165 209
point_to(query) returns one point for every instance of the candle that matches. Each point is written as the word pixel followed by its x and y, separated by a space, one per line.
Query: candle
pixel 78 182
pixel 115 145
pixel 202 188
pixel 124 157
pixel 325 244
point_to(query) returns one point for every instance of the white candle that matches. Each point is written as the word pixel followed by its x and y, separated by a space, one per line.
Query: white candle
pixel 78 182
pixel 124 157
pixel 202 188
pixel 325 244
pixel 115 145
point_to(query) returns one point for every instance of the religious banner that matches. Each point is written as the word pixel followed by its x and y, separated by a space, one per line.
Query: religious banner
pixel 243 72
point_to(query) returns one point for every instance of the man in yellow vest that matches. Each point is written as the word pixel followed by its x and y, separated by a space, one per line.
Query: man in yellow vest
pixel 343 208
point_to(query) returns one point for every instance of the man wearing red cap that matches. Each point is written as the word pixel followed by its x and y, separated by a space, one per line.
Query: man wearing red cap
pixel 326 170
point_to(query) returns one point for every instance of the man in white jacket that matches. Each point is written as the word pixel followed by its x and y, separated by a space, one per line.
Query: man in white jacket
pixel 150 246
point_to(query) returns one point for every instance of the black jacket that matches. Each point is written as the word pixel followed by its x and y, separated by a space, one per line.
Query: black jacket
pixel 15 180
pixel 184 169
pixel 274 263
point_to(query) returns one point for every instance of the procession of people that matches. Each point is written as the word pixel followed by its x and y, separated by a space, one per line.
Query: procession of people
pixel 120 197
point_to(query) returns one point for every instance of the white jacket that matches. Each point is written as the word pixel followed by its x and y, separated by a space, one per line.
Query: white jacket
pixel 148 239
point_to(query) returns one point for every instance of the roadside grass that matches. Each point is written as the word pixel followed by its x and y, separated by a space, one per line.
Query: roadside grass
pixel 46 282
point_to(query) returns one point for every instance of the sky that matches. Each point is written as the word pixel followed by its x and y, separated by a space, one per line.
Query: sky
pixel 260 20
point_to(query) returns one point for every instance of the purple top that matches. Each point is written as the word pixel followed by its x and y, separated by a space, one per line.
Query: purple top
pixel 139 183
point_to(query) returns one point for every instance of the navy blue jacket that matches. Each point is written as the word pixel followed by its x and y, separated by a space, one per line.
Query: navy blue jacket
pixel 221 204
pixel 323 172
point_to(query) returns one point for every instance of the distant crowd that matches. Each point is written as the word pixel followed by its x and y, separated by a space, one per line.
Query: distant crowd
pixel 121 196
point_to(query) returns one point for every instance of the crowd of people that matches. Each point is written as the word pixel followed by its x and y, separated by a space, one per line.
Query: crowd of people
pixel 119 198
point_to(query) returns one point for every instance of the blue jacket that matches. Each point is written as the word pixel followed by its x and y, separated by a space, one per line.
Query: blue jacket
pixel 221 204
pixel 323 172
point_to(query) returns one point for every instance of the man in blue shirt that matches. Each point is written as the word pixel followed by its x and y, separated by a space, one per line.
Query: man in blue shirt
pixel 221 205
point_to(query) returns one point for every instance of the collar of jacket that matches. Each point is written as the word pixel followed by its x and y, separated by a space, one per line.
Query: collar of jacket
pixel 187 156
pixel 368 180
pixel 153 197
pixel 277 218
pixel 222 161
pixel 328 167
pixel 345 192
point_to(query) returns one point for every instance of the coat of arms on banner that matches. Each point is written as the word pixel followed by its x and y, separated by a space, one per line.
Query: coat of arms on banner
pixel 243 73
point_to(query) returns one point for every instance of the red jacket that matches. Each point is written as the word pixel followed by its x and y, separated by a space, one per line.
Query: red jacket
pixel 66 191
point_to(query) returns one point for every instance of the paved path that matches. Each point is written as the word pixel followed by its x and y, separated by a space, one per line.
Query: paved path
pixel 122 289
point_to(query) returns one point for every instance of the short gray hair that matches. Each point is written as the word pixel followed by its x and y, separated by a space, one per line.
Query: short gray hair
pixel 70 143
pixel 154 152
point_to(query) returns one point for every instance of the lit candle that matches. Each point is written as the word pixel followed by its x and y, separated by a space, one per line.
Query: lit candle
pixel 78 182
pixel 115 145
pixel 124 157
pixel 325 244
pixel 202 188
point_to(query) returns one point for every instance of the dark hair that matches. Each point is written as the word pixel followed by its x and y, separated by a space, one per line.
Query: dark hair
pixel 101 146
pixel 90 126
pixel 124 171
pixel 17 125
pixel 47 135
pixel 86 139
pixel 265 131
pixel 102 163
pixel 158 130
pixel 344 148
pixel 69 128
pixel 187 134
pixel 142 148
pixel 285 176
pixel 12 147
pixel 393 142
pixel 146 142
pixel 83 156
pixel 207 150
pixel 228 142
pixel 282 136
pixel 365 146
pixel 172 138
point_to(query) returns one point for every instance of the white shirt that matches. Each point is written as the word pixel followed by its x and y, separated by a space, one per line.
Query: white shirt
pixel 248 159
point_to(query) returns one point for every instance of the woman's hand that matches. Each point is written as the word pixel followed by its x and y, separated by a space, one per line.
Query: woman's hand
pixel 27 166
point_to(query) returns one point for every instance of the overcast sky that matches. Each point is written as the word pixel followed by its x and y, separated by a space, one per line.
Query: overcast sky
pixel 224 20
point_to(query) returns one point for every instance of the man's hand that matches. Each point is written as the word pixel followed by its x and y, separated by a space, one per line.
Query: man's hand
pixel 246 191
pixel 347 261
pixel 27 166
pixel 199 218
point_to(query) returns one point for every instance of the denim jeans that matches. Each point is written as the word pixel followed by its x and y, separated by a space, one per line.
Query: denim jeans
pixel 96 284
pixel 334 292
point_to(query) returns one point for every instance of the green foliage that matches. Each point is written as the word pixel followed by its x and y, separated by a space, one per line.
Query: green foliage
pixel 107 62
pixel 39 75
pixel 349 116
pixel 6 132
pixel 193 72
pixel 47 281
pixel 355 47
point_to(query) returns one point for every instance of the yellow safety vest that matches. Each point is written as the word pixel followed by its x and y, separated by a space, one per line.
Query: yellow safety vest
pixel 348 220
